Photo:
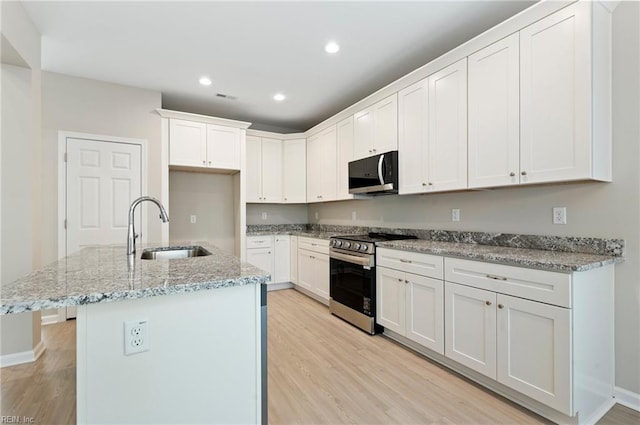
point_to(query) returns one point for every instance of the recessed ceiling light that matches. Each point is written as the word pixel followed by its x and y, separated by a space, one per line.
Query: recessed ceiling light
pixel 331 47
pixel 279 97
pixel 205 81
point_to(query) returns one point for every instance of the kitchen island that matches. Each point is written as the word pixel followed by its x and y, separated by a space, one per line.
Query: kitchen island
pixel 204 334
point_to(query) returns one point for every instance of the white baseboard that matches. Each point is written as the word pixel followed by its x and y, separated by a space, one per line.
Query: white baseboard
pixel 23 356
pixel 627 398
pixel 59 317
pixel 278 286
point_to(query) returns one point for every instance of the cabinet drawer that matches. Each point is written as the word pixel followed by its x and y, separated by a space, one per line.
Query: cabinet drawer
pixel 538 285
pixel 412 262
pixel 312 244
pixel 259 241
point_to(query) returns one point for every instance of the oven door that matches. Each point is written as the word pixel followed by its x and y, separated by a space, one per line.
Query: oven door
pixel 352 282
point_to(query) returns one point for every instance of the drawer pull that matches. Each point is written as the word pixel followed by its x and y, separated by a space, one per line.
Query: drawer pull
pixel 494 277
pixel 487 302
pixel 402 260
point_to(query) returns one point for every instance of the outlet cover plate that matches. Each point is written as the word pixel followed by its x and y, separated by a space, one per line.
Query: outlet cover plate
pixel 559 215
pixel 136 337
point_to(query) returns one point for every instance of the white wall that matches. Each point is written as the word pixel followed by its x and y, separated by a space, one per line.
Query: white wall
pixel 604 210
pixel 210 198
pixel 277 213
pixel 21 207
pixel 96 107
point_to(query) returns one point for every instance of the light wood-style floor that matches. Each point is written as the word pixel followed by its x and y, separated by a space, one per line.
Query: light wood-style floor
pixel 321 371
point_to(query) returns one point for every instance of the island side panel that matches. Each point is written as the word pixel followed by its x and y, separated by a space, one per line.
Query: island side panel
pixel 203 365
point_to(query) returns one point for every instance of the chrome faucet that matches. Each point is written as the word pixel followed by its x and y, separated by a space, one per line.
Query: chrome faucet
pixel 131 233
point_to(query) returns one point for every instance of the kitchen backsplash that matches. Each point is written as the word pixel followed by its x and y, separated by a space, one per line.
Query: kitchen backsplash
pixel 614 247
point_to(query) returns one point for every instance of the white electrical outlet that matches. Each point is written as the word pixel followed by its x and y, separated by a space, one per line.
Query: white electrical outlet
pixel 193 219
pixel 354 216
pixel 455 214
pixel 136 337
pixel 559 215
pixel 264 215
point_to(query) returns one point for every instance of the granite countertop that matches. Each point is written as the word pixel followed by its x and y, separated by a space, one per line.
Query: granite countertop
pixel 318 234
pixel 102 274
pixel 531 258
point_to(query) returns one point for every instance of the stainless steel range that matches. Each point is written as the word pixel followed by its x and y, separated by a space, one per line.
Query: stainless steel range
pixel 353 278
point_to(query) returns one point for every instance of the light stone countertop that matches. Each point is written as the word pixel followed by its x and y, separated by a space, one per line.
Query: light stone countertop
pixel 531 258
pixel 102 274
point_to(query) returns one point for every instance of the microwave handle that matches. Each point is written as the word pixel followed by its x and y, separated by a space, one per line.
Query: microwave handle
pixel 380 175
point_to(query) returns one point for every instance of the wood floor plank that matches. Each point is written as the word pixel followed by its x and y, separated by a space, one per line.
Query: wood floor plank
pixel 321 371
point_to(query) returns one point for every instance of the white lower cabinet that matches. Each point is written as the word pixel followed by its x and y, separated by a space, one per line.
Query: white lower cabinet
pixel 411 304
pixel 542 338
pixel 313 267
pixel 271 254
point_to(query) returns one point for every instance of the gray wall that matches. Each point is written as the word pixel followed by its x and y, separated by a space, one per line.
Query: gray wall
pixel 20 179
pixel 277 214
pixel 593 209
pixel 207 196
pixel 90 106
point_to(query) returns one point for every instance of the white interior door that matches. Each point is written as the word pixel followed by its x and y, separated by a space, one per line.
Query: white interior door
pixel 102 180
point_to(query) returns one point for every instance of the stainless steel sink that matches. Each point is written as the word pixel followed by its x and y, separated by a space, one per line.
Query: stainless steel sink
pixel 174 252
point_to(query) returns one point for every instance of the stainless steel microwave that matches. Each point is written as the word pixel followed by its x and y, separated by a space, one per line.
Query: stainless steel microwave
pixel 375 175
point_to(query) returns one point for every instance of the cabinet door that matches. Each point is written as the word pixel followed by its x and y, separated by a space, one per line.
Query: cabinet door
pixel 385 136
pixel 344 134
pixel 223 147
pixel 494 117
pixel 425 311
pixel 282 259
pixel 254 169
pixel 294 180
pixel 447 142
pixel 329 171
pixel 294 259
pixel 187 143
pixel 271 170
pixel 391 299
pixel 470 327
pixel 262 258
pixel 556 97
pixel 322 273
pixel 412 138
pixel 363 131
pixel 306 269
pixel 534 350
pixel 314 168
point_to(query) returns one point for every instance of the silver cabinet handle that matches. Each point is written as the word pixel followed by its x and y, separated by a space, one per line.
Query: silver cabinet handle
pixel 430 184
pixel 406 281
pixel 512 174
pixel 402 260
pixel 494 277
pixel 209 162
pixel 399 280
pixel 487 302
pixel 204 162
pixel 424 184
pixel 500 306
pixel 524 173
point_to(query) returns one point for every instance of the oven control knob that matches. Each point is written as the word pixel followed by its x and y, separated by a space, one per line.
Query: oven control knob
pixel 357 247
pixel 337 242
pixel 346 244
pixel 364 248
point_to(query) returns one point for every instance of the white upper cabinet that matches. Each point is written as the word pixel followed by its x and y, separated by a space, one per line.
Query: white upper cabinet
pixel 344 130
pixel 196 144
pixel 294 154
pixel 264 170
pixel 376 128
pixel 433 132
pixel 322 166
pixel 187 143
pixel 412 138
pixel 565 96
pixel 223 147
pixel 494 118
pixel 447 117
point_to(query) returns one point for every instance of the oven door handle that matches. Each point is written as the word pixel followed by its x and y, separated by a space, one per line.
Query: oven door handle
pixel 362 261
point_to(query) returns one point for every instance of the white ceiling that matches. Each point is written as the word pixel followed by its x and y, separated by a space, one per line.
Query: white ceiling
pixel 252 50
